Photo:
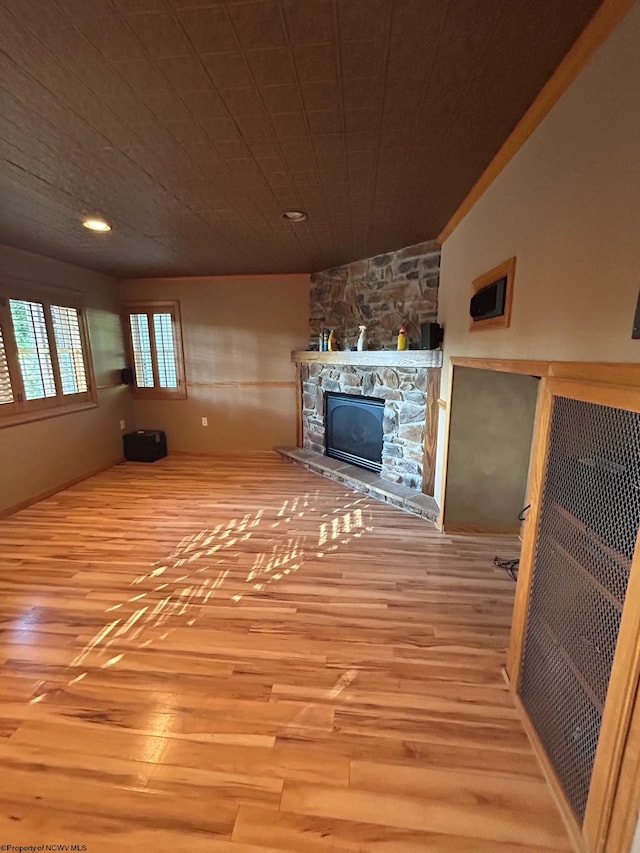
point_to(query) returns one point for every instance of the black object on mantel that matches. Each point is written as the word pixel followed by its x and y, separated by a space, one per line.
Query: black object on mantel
pixel 145 445
pixel 431 335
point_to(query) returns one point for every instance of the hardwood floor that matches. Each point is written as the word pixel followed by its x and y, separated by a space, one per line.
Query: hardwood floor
pixel 208 654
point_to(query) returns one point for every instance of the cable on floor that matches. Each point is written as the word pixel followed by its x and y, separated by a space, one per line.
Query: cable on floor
pixel 510 566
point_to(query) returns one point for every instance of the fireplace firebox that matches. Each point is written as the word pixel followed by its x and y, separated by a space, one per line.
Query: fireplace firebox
pixel 354 429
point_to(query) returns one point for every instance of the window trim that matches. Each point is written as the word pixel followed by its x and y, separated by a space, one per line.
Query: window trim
pixel 22 410
pixel 151 307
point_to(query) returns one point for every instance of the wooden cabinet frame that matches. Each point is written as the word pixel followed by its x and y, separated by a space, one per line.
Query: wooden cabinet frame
pixel 613 806
pixel 608 826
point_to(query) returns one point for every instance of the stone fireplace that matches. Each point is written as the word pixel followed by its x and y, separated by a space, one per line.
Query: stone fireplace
pixel 381 293
pixel 404 390
pixel 408 383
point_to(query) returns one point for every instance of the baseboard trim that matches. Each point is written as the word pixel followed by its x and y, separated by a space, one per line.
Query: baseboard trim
pixel 483 529
pixel 11 510
pixel 220 453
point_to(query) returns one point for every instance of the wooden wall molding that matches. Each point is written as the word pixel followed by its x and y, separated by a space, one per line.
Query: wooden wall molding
pixel 530 367
pixel 299 406
pixel 231 383
pixel 445 454
pixel 429 457
pixel 537 467
pixel 597 31
pixel 109 386
pixel 621 374
pixel 203 278
pixel 45 414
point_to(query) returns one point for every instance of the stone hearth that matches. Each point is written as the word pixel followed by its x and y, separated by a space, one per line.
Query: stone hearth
pixel 402 497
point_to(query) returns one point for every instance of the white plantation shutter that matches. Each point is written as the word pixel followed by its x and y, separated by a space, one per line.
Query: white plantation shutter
pixel 66 327
pixel 141 341
pixel 165 350
pixel 43 354
pixel 32 342
pixel 6 392
pixel 155 349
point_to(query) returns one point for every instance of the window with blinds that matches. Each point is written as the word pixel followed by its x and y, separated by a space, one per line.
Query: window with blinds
pixel 165 350
pixel 43 355
pixel 66 328
pixel 32 343
pixel 141 343
pixel 6 391
pixel 155 349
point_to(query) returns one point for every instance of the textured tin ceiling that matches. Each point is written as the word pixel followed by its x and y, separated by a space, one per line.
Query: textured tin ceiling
pixel 192 124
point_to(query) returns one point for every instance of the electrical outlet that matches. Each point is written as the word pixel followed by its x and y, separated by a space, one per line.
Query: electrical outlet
pixel 205 422
pixel 122 424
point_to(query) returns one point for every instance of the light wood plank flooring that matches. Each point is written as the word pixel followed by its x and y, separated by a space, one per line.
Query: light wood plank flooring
pixel 225 654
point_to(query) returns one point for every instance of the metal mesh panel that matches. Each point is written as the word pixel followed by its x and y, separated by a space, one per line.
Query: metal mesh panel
pixel 586 537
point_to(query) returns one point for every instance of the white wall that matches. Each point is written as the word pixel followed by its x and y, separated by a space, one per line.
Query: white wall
pixel 568 207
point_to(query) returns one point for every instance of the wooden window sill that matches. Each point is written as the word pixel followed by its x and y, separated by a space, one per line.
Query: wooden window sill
pixel 43 414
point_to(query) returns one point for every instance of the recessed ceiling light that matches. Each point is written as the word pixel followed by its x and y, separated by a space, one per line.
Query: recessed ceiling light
pixel 294 215
pixel 96 224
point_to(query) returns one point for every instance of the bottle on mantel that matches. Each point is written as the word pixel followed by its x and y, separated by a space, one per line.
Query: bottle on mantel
pixel 332 344
pixel 362 339
pixel 402 337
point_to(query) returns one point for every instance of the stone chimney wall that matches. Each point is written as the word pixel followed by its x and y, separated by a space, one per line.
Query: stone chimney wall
pixel 380 293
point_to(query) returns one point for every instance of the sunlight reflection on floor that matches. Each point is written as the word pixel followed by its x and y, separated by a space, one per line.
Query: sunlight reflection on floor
pixel 210 552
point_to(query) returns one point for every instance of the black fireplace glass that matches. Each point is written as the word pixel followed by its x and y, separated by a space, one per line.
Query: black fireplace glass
pixel 353 429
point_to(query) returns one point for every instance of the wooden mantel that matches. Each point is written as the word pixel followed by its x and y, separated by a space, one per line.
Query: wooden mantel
pixel 372 358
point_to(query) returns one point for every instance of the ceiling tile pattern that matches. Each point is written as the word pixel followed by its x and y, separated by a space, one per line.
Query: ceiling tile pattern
pixel 193 124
